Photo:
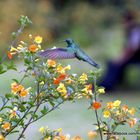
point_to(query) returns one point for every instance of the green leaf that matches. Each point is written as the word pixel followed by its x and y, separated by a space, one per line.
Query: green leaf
pixel 124 138
pixel 21 123
pixel 22 108
pixel 14 35
pixel 27 61
pixel 15 80
pixel 2 69
pixel 8 96
pixel 16 131
pixel 31 103
pixel 1 72
pixel 24 20
pixel 11 66
pixel 44 110
pixel 52 103
pixel 8 107
pixel 35 116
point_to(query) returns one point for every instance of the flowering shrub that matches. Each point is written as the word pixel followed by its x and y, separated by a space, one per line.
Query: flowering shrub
pixel 54 85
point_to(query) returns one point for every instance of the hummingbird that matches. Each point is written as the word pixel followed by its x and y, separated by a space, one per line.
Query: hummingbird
pixel 71 51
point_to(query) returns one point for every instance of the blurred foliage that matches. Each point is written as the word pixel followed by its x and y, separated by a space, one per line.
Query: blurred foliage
pixel 84 20
pixel 95 24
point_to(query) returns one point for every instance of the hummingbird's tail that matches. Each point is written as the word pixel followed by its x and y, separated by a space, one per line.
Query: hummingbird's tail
pixel 93 63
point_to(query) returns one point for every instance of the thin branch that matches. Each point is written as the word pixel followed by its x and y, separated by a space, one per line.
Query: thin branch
pixel 28 123
pixel 97 118
pixel 20 30
pixel 32 115
pixel 4 105
pixel 47 112
pixel 96 112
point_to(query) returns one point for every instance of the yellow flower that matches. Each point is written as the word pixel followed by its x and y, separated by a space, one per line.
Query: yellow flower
pixel 92 134
pixel 132 111
pixel 42 130
pixel 42 83
pixel 56 138
pixel 30 36
pixel 38 39
pixel 68 67
pixel 20 47
pixel 118 112
pixel 49 138
pixel 22 42
pixel 12 49
pixel 2 137
pixel 60 69
pixel 101 90
pixel 6 126
pixel 69 81
pixel 59 130
pixel 1 119
pixel 51 63
pixel 106 114
pixel 116 103
pixel 87 89
pixel 62 89
pixel 83 78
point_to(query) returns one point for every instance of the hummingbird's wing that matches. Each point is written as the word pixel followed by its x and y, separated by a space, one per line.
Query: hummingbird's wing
pixel 57 53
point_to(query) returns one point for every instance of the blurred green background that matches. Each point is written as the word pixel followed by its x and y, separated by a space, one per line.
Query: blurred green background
pixel 96 25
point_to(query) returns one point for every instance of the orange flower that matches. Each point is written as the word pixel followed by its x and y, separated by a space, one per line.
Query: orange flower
pixel 2 137
pixel 51 63
pixel 125 108
pixel 16 87
pixel 33 48
pixel 59 79
pixel 9 55
pixel 110 105
pixel 89 87
pixel 6 126
pixel 62 76
pixel 132 122
pixel 96 105
pixel 62 137
pixel 23 93
pixel 56 81
pixel 92 134
pixel 77 138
